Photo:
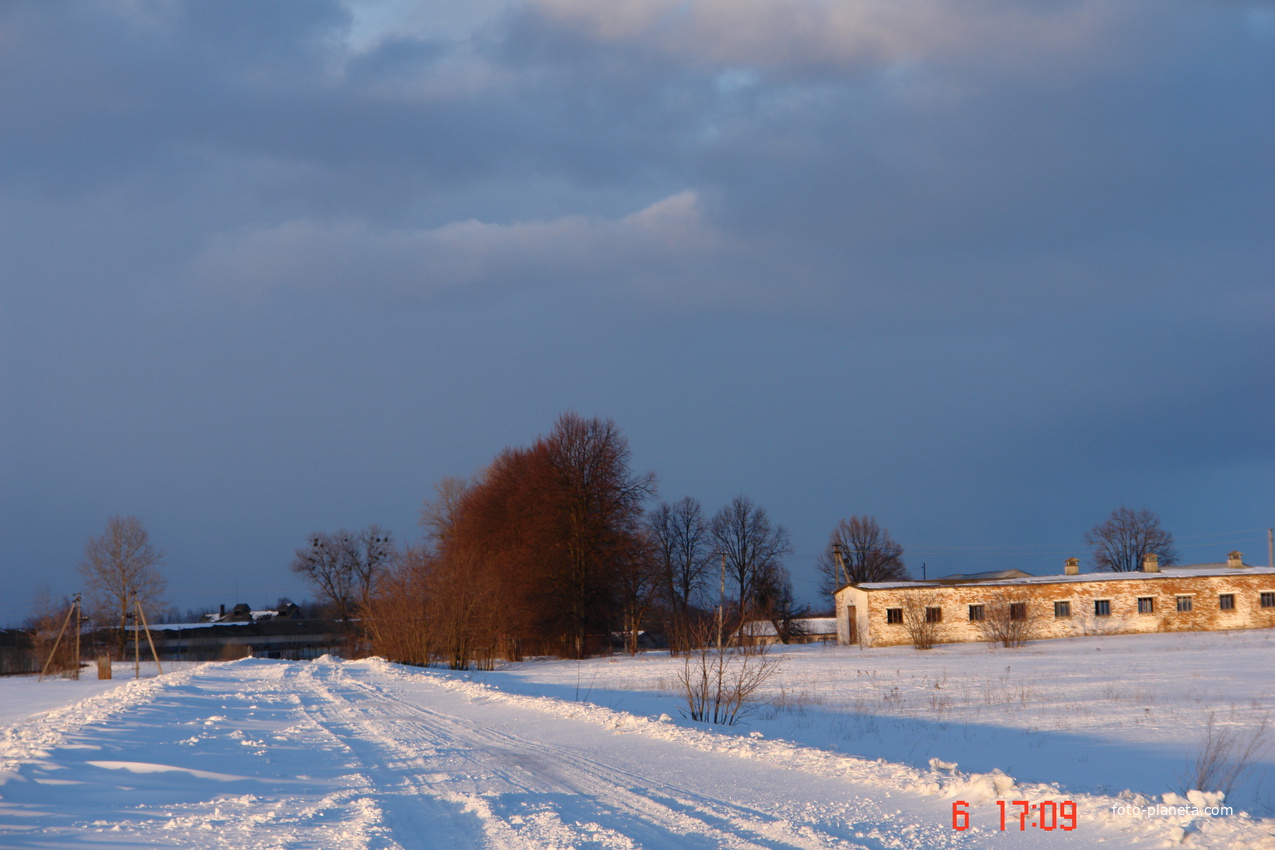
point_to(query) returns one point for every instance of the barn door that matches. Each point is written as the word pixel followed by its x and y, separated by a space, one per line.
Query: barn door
pixel 852 625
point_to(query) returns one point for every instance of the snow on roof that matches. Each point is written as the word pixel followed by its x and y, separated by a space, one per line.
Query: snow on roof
pixel 807 625
pixel 174 627
pixel 993 575
pixel 1200 570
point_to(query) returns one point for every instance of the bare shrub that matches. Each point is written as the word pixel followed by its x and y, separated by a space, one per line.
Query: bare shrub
pixel 1008 623
pixel 720 684
pixel 398 620
pixel 437 610
pixel 1225 758
pixel 920 619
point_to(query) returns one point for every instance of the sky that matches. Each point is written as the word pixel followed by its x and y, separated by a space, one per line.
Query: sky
pixel 983 270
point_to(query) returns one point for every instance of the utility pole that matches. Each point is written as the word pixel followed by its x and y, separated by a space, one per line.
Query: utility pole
pixel 53 653
pixel 721 604
pixel 141 615
pixel 79 625
pixel 1270 547
pixel 841 564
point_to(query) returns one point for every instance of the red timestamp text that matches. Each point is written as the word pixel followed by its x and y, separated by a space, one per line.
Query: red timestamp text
pixel 1047 815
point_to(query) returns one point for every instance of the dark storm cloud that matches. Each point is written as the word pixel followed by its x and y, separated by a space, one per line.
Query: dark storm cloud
pixel 270 268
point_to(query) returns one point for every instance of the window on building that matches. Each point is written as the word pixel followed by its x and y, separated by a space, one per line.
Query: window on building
pixel 1062 610
pixel 1146 604
pixel 933 615
pixel 976 613
pixel 1268 600
pixel 1226 601
pixel 1018 610
pixel 894 615
pixel 1184 604
pixel 1102 607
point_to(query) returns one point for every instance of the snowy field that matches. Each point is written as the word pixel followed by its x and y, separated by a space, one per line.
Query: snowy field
pixel 847 749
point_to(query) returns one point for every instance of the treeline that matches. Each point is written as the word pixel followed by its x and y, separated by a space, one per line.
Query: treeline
pixel 550 550
pixel 560 548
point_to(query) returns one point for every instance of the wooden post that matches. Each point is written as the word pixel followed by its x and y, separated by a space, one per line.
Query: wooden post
pixel 56 644
pixel 104 666
pixel 137 651
pixel 141 615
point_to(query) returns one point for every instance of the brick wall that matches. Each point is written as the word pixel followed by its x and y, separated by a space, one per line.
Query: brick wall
pixel 1122 596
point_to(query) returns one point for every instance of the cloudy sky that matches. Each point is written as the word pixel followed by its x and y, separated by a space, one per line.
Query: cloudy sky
pixel 984 270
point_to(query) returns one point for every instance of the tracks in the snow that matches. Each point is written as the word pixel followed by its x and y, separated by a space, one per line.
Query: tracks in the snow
pixel 524 792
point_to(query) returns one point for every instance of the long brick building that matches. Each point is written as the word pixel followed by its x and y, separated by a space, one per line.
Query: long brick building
pixel 1199 597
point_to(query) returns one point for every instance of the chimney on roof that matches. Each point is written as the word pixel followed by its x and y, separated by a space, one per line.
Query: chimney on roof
pixel 1151 563
pixel 1235 560
pixel 1072 567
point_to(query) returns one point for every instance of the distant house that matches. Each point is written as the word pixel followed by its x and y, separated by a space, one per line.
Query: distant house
pixel 805 630
pixel 243 631
pixel 1200 597
pixel 243 613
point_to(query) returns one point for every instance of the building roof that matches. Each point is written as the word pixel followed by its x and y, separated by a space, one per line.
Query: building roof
pixel 807 625
pixel 277 626
pixel 994 575
pixel 1172 572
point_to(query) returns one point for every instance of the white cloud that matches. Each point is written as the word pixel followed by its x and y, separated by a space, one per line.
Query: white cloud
pixel 373 22
pixel 307 255
pixel 799 33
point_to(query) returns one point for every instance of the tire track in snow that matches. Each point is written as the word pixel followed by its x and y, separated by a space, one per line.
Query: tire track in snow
pixel 527 793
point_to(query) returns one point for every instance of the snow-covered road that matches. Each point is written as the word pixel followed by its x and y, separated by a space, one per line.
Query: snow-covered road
pixel 261 754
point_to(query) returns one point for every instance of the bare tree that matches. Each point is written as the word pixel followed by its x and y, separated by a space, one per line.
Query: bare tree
pixel 773 600
pixel 440 514
pixel 345 568
pixel 599 510
pixel 682 551
pixel 751 545
pixel 1121 542
pixel 637 586
pixel 370 553
pixel 867 553
pixel 120 565
pixel 322 564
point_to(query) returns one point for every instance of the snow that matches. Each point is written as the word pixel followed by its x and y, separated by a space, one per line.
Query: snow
pixel 849 748
pixel 22 697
